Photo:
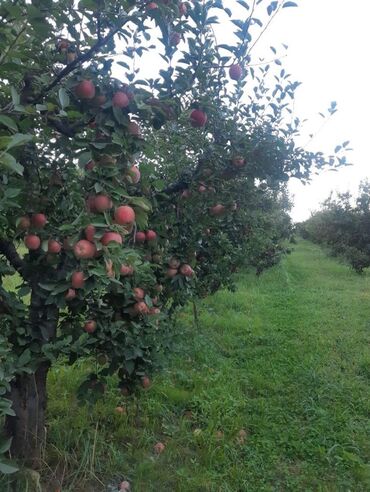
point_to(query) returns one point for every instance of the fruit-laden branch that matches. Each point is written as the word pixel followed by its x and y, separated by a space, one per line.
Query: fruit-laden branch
pixel 80 59
pixel 8 249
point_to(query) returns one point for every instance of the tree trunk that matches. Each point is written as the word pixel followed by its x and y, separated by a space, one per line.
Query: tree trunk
pixel 27 427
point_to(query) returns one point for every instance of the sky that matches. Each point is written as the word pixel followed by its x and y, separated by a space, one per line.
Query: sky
pixel 329 53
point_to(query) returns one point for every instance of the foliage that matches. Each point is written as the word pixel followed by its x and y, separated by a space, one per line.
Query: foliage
pixel 214 155
pixel 343 225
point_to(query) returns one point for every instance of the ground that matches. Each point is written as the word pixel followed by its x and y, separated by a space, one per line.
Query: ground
pixel 286 359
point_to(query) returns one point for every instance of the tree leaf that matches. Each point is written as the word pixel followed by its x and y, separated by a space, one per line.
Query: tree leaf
pixel 9 161
pixel 63 98
pixel 8 122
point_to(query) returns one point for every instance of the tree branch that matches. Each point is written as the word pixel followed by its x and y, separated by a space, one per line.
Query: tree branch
pixel 8 250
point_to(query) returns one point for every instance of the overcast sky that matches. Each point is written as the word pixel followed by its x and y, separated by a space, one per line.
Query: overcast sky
pixel 329 53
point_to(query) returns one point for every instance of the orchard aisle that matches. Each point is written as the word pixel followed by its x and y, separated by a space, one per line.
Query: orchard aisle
pixel 270 393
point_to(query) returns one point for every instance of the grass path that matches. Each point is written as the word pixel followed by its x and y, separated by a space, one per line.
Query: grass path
pixel 286 358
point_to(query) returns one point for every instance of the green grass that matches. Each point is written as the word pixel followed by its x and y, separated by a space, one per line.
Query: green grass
pixel 286 358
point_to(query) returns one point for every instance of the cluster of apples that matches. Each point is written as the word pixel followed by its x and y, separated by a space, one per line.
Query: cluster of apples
pixel 140 307
pixel 175 267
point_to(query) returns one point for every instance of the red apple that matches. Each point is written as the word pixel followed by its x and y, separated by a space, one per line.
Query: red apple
pixel 198 118
pixel 24 223
pixel 183 8
pixel 235 71
pixel 133 175
pixel 186 270
pixel 238 161
pixel 133 129
pixel 151 6
pixel 32 242
pixel 159 447
pixel 171 272
pixel 202 189
pixel 124 486
pixel 78 280
pixel 124 215
pixel 90 232
pixel 140 308
pixel 85 90
pixel 90 204
pixel 110 236
pixel 120 100
pixel 126 270
pixel 102 203
pixel 150 235
pixel 217 210
pixel 139 293
pixel 70 294
pixel 186 194
pixel 38 221
pixel 54 246
pixel 174 263
pixel 83 249
pixel 175 38
pixel 140 237
pixel 145 382
pixel 90 326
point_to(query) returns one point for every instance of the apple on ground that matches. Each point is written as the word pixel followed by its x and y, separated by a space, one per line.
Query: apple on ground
pixel 159 447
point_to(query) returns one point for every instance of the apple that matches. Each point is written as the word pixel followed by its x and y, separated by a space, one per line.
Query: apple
pixel 198 118
pixel 140 308
pixel 120 100
pixel 32 242
pixel 202 189
pixel 151 6
pixel 217 210
pixel 85 90
pixel 186 194
pixel 83 249
pixel 90 165
pixel 110 236
pixel 120 410
pixel 174 263
pixel 90 326
pixel 100 100
pixel 150 235
pixel 90 232
pixel 70 294
pixel 124 486
pixel 62 45
pixel 106 160
pixel 186 270
pixel 124 215
pixel 140 237
pixel 242 435
pixel 54 246
pixel 67 246
pixel 175 38
pixel 238 161
pixel 145 382
pixel 102 203
pixel 235 71
pixel 171 272
pixel 126 270
pixel 133 129
pixel 155 300
pixel 133 175
pixel 139 293
pixel 24 223
pixel 159 288
pixel 159 447
pixel 38 221
pixel 90 204
pixel 78 280
pixel 183 8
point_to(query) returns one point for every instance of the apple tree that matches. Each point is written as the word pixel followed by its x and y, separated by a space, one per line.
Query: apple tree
pixel 141 163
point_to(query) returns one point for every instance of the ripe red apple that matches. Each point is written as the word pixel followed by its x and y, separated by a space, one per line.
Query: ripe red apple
pixel 124 215
pixel 24 223
pixel 186 270
pixel 238 161
pixel 85 90
pixel 110 236
pixel 151 6
pixel 174 263
pixel 198 118
pixel 102 203
pixel 150 235
pixel 70 294
pixel 90 165
pixel 159 447
pixel 83 249
pixel 139 293
pixel 171 272
pixel 217 210
pixel 120 100
pixel 124 486
pixel 90 232
pixel 235 71
pixel 78 280
pixel 38 221
pixel 90 326
pixel 126 270
pixel 133 175
pixel 140 237
pixel 54 246
pixel 133 129
pixel 140 308
pixel 145 382
pixel 32 242
pixel 175 38
pixel 183 8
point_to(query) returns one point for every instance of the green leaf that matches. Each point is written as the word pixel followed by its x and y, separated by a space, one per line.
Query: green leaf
pixel 9 161
pixel 15 96
pixel 8 122
pixel 5 445
pixel 63 97
pixel 289 4
pixel 7 467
